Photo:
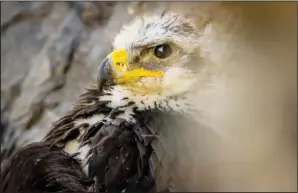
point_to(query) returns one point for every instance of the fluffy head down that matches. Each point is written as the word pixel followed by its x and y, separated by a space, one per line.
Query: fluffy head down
pixel 165 43
pixel 157 29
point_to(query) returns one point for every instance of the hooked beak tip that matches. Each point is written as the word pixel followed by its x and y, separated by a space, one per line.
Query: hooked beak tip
pixel 104 75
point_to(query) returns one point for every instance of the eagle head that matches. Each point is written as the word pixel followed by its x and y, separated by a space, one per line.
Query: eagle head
pixel 153 56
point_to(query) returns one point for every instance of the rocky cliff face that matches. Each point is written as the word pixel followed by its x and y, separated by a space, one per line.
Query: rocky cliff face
pixel 49 53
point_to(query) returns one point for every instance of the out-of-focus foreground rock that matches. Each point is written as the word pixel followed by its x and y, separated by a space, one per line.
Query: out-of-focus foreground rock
pixel 50 51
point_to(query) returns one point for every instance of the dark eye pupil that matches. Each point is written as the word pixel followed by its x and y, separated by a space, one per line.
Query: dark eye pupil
pixel 162 51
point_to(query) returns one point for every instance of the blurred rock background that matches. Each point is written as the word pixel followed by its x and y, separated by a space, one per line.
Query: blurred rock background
pixel 50 51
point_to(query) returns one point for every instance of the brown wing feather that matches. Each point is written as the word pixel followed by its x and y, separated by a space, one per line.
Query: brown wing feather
pixel 41 167
pixel 64 129
pixel 117 162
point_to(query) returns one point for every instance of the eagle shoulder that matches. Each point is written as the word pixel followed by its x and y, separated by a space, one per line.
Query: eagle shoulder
pixel 119 160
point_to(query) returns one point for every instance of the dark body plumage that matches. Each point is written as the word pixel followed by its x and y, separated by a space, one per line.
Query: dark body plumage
pixel 41 167
pixel 120 150
pixel 124 156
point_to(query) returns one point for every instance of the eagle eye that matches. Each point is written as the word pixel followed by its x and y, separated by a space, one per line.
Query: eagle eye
pixel 162 51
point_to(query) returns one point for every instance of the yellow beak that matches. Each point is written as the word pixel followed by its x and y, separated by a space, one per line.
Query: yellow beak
pixel 123 73
pixel 116 69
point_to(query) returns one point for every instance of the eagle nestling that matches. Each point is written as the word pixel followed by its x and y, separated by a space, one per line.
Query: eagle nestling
pixel 145 85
